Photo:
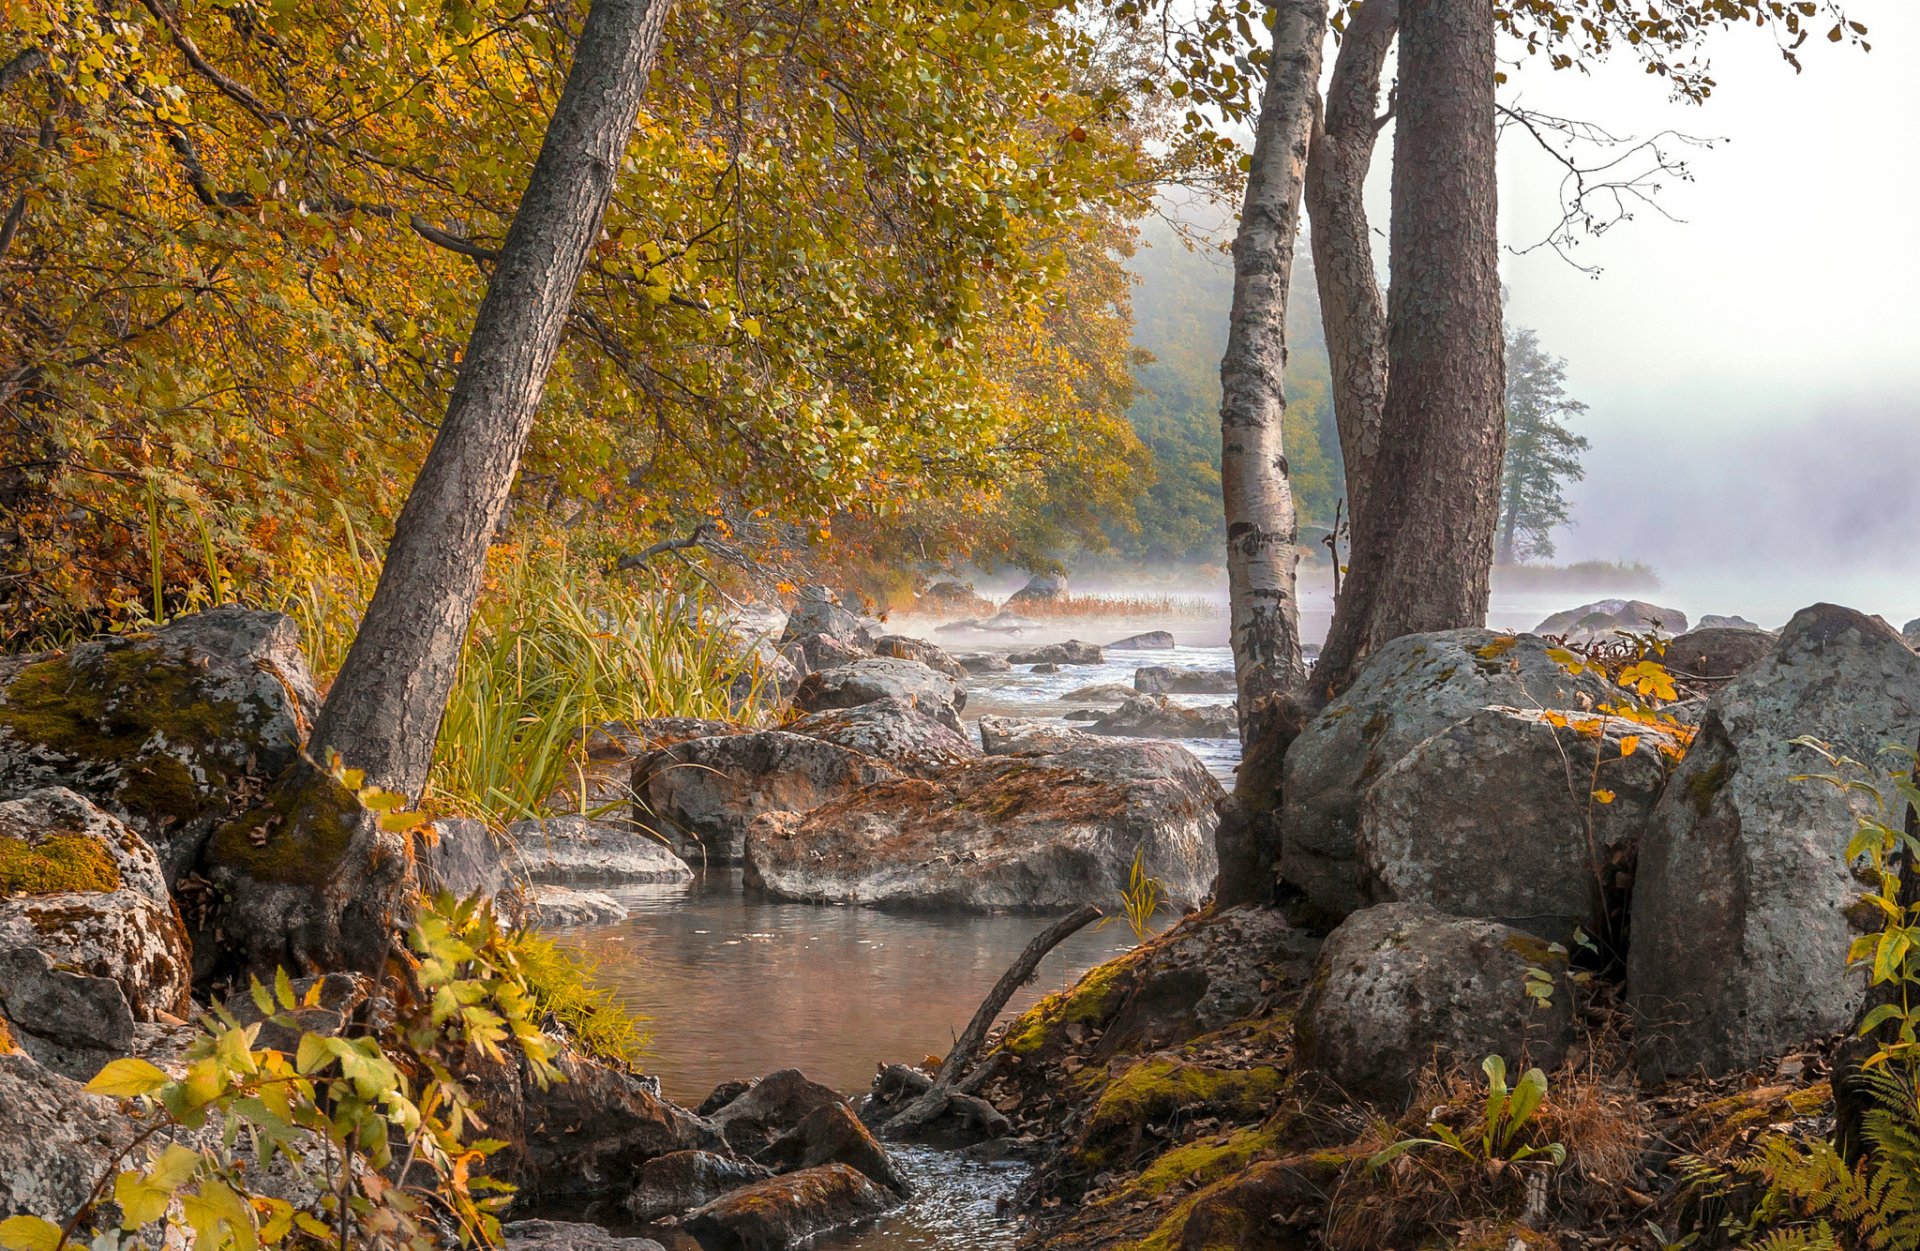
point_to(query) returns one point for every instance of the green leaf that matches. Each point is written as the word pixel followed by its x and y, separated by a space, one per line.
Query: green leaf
pixel 127 1078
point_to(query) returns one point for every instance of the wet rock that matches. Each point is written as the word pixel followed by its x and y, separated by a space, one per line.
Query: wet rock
pixel 1613 616
pixel 1495 816
pixel 701 795
pixel 832 1134
pixel 1399 987
pixel 1152 640
pixel 723 1094
pixel 1178 680
pixel 892 731
pixel 817 612
pixel 462 859
pixel 81 887
pixel 1743 906
pixel 1044 667
pixel 1006 736
pixel 1100 692
pixel 770 1108
pixel 569 1236
pixel 572 849
pixel 901 647
pixel 986 664
pixel 782 1211
pixel 1156 716
pixel 1071 652
pixel 70 1022
pixel 1405 693
pixel 1720 652
pixel 557 907
pixel 684 1180
pixel 864 681
pixel 1026 831
pixel 168 730
pixel 1041 590
pixel 1714 621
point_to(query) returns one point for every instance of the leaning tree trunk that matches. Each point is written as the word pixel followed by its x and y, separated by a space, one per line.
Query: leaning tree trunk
pixel 383 713
pixel 1261 531
pixel 1423 549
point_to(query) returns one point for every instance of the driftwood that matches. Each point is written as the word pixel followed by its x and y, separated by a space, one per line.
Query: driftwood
pixel 948 1089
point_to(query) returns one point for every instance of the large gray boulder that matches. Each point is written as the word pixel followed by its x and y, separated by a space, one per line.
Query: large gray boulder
pixel 1716 653
pixel 577 849
pixel 167 730
pixel 816 611
pixel 1012 736
pixel 904 647
pixel 1071 652
pixel 71 1022
pixel 461 857
pixel 1041 590
pixel 1405 693
pixel 1156 716
pixel 1613 616
pixel 700 795
pixel 1400 987
pixel 1182 680
pixel 1497 816
pixel 1151 640
pixel 81 887
pixel 891 731
pixel 1040 831
pixel 936 694
pixel 1743 908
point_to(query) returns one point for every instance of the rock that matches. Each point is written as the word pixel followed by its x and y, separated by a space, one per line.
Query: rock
pixel 999 623
pixel 901 647
pixel 557 907
pixel 986 664
pixel 1027 831
pixel 169 730
pixel 817 612
pixel 1042 589
pixel 602 786
pixel 1152 640
pixel 1099 692
pixel 1494 817
pixel 56 1141
pixel 624 740
pixel 949 597
pixel 675 1183
pixel 782 1211
pixel 1006 736
pixel 723 1094
pixel 891 731
pixel 573 848
pixel 700 795
pixel 569 1236
pixel 832 1134
pixel 1083 714
pixel 1173 680
pixel 81 887
pixel 1403 694
pixel 1156 716
pixel 770 1108
pixel 767 674
pixel 336 997
pixel 1613 616
pixel 1071 652
pixel 1743 905
pixel 1714 621
pixel 1717 652
pixel 70 1022
pixel 1399 987
pixel 864 681
pixel 1045 666
pixel 462 859
pixel 810 653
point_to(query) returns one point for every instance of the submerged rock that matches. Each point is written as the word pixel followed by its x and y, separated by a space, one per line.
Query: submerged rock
pixel 780 1212
pixel 832 1134
pixel 1028 831
pixel 864 681
pixel 573 848
pixel 1071 652
pixel 892 731
pixel 999 623
pixel 992 663
pixel 1744 906
pixel 683 1180
pixel 1156 716
pixel 1182 680
pixel 1613 616
pixel 569 1236
pixel 557 907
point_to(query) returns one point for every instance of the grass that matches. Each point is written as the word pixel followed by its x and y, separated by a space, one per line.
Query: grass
pixel 566 986
pixel 1585 575
pixel 1193 607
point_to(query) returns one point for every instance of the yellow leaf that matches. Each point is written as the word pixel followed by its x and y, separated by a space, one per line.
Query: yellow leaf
pixel 1627 745
pixel 1605 797
pixel 29 1233
pixel 123 1079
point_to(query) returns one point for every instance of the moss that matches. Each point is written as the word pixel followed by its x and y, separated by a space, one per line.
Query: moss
pixel 1203 1162
pixel 1705 785
pixel 1091 1000
pixel 1535 951
pixel 54 864
pixel 1159 1086
pixel 297 834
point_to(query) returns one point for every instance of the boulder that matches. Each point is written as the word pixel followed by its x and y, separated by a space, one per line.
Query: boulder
pixel 1071 652
pixel 1714 621
pixel 569 1236
pixel 1743 907
pixel 949 597
pixel 1152 640
pixel 1156 716
pixel 999 623
pixel 1406 692
pixel 832 1134
pixel 1613 616
pixel 1399 987
pixel 462 859
pixel 1045 667
pixel 862 682
pixel 170 730
pixel 783 1211
pixel 901 647
pixel 810 653
pixel 71 1022
pixel 56 1141
pixel 683 1180
pixel 770 1108
pixel 700 795
pixel 1911 632
pixel 81 887
pixel 557 907
pixel 574 848
pixel 1716 652
pixel 1007 736
pixel 336 997
pixel 818 612
pixel 1178 680
pixel 1495 816
pixel 1099 692
pixel 1032 831
pixel 723 1094
pixel 994 663
pixel 891 731
pixel 1041 590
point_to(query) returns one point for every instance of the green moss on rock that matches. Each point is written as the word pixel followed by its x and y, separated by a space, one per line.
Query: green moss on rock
pixel 55 864
pixel 1090 1002
pixel 1160 1085
pixel 297 835
pixel 1705 785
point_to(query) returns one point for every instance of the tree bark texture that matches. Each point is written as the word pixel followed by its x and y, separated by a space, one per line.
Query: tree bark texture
pixel 1423 542
pixel 1258 498
pixel 383 713
pixel 1352 310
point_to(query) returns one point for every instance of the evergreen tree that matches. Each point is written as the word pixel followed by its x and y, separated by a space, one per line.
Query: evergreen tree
pixel 1542 454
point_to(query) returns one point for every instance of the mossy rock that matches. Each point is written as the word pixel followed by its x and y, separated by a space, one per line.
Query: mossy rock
pixel 1161 1086
pixel 56 864
pixel 1090 1002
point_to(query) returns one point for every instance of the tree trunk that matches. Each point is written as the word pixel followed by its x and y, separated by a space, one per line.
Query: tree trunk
pixel 1261 534
pixel 383 713
pixel 1423 543
pixel 1351 308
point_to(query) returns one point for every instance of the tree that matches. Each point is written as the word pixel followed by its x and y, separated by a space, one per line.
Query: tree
pixel 1542 454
